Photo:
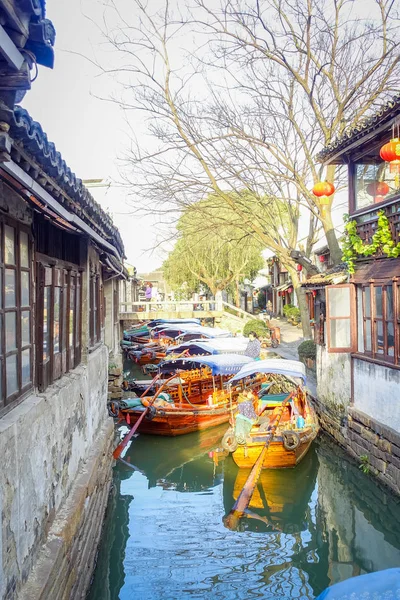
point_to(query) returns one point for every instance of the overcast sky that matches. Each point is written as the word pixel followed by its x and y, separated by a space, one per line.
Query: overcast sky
pixel 89 132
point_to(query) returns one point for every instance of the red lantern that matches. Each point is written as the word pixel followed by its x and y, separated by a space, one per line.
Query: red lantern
pixel 290 290
pixel 322 258
pixel 314 293
pixel 299 267
pixel 378 188
pixel 390 151
pixel 323 188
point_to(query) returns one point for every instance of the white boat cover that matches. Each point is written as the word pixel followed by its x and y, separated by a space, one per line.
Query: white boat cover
pixel 288 368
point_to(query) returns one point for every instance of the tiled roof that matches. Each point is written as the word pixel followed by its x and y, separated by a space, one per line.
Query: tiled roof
pixel 385 113
pixel 331 277
pixel 28 136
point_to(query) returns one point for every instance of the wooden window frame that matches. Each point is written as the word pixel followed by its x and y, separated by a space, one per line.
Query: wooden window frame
pixel 373 354
pixel 7 401
pixel 95 307
pixel 350 319
pixel 65 359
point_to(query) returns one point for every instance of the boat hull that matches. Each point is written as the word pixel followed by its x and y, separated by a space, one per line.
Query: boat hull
pixel 277 457
pixel 174 422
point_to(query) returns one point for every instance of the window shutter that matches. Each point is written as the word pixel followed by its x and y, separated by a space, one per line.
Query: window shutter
pixel 341 318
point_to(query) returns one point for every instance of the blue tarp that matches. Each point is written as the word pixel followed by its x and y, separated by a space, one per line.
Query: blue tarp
pixel 382 584
pixel 289 368
pixel 229 345
pixel 220 364
pixel 180 329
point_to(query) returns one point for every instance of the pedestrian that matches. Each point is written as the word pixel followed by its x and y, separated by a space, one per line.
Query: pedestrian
pixel 269 308
pixel 253 347
pixel 148 292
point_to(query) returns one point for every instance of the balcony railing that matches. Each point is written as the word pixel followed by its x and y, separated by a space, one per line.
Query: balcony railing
pixel 367 223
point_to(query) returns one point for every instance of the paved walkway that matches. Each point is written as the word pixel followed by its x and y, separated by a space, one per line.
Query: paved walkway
pixel 291 338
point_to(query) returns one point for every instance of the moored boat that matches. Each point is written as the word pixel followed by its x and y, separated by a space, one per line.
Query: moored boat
pixel 194 397
pixel 286 421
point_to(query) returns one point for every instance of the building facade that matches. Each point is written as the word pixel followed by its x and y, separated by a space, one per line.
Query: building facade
pixel 359 365
pixel 60 264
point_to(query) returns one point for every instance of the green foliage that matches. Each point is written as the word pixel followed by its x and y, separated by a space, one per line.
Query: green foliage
pixel 211 251
pixel 255 326
pixel 364 466
pixel 307 349
pixel 294 314
pixel 287 308
pixel 382 242
pixel 262 300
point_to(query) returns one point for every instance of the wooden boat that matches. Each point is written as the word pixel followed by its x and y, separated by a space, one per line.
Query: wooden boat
pixel 198 396
pixel 298 424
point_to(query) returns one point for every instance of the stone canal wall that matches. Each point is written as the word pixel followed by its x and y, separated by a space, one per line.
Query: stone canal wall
pixel 375 445
pixel 56 465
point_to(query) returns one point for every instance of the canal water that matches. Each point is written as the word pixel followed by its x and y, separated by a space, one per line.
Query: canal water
pixel 164 536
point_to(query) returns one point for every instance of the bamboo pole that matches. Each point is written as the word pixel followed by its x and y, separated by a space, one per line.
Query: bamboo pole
pixel 231 521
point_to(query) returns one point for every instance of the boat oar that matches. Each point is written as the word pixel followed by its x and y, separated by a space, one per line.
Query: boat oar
pixel 231 521
pixel 118 450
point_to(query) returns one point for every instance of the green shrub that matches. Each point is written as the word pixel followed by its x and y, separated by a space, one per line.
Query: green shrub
pixel 255 326
pixel 262 300
pixel 307 349
pixel 287 308
pixel 293 314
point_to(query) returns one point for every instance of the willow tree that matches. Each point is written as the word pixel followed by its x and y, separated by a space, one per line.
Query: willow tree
pixel 214 253
pixel 249 109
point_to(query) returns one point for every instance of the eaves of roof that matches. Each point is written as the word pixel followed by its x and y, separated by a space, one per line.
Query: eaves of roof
pixel 384 115
pixel 322 279
pixel 28 137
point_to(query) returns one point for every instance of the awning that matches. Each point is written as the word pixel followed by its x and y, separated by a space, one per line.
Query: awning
pixel 288 368
pixel 283 286
pixel 221 364
pixel 380 270
pixel 323 279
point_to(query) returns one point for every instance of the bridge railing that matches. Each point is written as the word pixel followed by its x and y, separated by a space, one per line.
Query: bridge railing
pixel 171 306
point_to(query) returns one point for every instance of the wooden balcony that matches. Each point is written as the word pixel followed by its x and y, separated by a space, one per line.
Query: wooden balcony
pixel 367 222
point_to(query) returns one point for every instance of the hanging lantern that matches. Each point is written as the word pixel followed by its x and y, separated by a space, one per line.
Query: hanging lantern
pixel 323 188
pixel 390 151
pixel 290 290
pixel 299 267
pixel 314 293
pixel 378 188
pixel 322 258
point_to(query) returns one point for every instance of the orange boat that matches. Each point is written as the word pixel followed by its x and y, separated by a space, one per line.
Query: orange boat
pixel 195 396
pixel 297 421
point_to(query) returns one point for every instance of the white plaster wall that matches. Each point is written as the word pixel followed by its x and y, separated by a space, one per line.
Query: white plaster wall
pixel 377 392
pixel 43 443
pixel 333 379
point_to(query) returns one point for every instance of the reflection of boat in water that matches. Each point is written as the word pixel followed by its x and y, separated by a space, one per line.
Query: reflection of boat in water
pixel 280 499
pixel 182 463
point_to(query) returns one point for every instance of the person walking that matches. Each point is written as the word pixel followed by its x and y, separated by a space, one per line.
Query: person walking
pixel 253 347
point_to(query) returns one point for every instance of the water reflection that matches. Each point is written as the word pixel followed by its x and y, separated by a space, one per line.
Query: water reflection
pixel 309 527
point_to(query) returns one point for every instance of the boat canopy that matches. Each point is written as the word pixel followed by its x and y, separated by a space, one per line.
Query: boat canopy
pixel 157 322
pixel 176 331
pixel 220 364
pixel 231 345
pixel 288 368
